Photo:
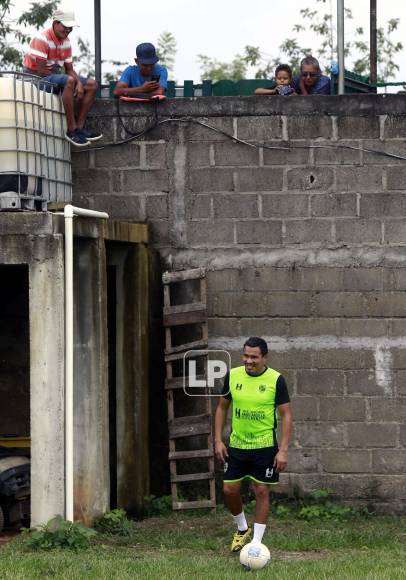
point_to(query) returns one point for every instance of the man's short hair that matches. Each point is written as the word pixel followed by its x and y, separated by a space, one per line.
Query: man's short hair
pixel 256 341
pixel 284 67
pixel 310 61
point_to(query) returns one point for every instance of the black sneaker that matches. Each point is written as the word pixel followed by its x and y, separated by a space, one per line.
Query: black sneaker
pixel 91 135
pixel 76 138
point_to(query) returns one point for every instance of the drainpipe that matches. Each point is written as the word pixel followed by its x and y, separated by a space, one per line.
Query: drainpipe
pixel 340 45
pixel 69 212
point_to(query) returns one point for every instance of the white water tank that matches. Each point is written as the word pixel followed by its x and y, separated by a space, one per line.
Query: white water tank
pixel 35 165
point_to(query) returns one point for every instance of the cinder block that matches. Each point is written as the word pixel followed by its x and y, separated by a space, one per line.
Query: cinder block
pixel 320 382
pixel 390 488
pixel 291 153
pixel 128 156
pixel 310 178
pixel 159 232
pixel 236 206
pixel 151 180
pixel 156 155
pixel 157 206
pixel 80 160
pixel 200 133
pixel 383 205
pixel 317 435
pixel 259 128
pixel 290 359
pixel 308 231
pixel 304 408
pixel 395 126
pixel 363 383
pixel 401 382
pixel 212 179
pixel 333 205
pixel 263 327
pixel 394 278
pixel 385 304
pixel 363 127
pixel 343 358
pixel 358 179
pixel 340 304
pixel 320 278
pixel 371 434
pixel 285 205
pixel 120 207
pixel 399 358
pixel 388 410
pixel 303 460
pixel 210 233
pixel 312 326
pixel 395 231
pixel 91 181
pixel 342 409
pixel 403 437
pixel 260 304
pixel 260 179
pixel 343 461
pixel 232 153
pixel 397 327
pixel 269 278
pixel 362 327
pixel 395 147
pixel 337 155
pixel 389 461
pixel 199 154
pixel 358 231
pixel 200 206
pixel 310 127
pixel 224 327
pixel 362 279
pixel 223 280
pixel 257 232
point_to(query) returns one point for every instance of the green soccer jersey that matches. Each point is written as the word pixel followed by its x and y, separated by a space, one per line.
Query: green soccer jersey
pixel 255 399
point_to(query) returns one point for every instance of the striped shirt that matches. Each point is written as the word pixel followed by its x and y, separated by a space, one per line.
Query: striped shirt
pixel 47 47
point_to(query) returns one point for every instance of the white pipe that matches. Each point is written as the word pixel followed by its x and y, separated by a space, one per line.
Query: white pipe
pixel 340 46
pixel 69 212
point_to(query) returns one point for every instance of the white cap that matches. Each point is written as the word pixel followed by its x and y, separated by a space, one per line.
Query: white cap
pixel 66 17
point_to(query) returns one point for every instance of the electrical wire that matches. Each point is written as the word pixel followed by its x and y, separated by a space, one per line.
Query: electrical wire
pixel 156 123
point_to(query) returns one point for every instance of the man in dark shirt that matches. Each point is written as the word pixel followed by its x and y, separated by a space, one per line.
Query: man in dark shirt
pixel 311 81
pixel 257 393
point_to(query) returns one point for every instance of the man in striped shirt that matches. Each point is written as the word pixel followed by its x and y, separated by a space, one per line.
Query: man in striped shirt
pixel 51 50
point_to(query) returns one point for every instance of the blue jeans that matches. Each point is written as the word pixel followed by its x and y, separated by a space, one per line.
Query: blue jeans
pixel 55 82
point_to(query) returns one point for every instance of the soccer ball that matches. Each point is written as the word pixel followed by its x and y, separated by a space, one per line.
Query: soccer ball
pixel 254 556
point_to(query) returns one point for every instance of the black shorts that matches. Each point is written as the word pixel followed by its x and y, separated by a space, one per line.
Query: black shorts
pixel 255 464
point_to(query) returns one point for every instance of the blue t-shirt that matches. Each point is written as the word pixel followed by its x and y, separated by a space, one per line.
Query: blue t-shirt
pixel 321 87
pixel 133 78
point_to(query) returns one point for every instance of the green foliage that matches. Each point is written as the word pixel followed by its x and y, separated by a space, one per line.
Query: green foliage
pixel 157 506
pixel 291 51
pixel 13 32
pixel 84 62
pixel 114 523
pixel 59 533
pixel 166 50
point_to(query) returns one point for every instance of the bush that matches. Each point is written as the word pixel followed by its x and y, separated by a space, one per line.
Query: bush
pixel 59 533
pixel 157 506
pixel 115 523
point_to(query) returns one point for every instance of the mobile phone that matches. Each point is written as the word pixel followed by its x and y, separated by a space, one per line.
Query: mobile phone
pixel 155 78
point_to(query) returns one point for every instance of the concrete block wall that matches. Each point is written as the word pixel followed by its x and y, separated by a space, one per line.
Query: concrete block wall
pixel 304 245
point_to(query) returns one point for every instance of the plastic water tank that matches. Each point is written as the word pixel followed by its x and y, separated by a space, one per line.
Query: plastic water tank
pixel 35 163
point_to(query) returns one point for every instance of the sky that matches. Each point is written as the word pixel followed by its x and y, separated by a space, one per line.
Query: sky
pixel 218 29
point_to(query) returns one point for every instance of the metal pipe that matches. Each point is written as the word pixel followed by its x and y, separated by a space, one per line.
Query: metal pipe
pixel 340 46
pixel 373 67
pixel 69 212
pixel 97 43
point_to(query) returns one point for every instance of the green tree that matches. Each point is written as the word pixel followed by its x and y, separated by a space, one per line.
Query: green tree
pixel 323 27
pixel 166 50
pixel 14 31
pixel 84 62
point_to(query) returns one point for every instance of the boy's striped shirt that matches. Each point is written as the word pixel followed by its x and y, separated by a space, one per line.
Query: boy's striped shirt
pixel 47 47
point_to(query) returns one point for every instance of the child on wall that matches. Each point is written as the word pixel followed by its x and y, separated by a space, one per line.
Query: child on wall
pixel 283 78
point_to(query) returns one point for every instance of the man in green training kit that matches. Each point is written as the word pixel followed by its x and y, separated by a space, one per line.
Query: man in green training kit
pixel 257 393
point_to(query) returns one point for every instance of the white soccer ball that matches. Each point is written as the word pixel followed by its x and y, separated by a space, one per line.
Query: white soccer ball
pixel 254 556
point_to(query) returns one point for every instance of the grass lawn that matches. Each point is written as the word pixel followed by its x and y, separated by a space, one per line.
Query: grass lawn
pixel 191 546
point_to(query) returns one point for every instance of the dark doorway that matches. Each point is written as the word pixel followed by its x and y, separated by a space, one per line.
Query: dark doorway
pixel 112 335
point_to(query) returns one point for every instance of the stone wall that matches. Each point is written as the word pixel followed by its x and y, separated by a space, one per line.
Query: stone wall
pixel 304 245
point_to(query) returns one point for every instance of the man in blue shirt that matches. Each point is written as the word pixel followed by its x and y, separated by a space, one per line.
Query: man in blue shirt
pixel 145 77
pixel 311 81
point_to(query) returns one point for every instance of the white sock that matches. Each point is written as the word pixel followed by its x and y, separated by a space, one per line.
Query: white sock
pixel 241 522
pixel 259 530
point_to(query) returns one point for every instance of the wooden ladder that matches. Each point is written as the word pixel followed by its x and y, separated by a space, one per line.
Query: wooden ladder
pixel 183 427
